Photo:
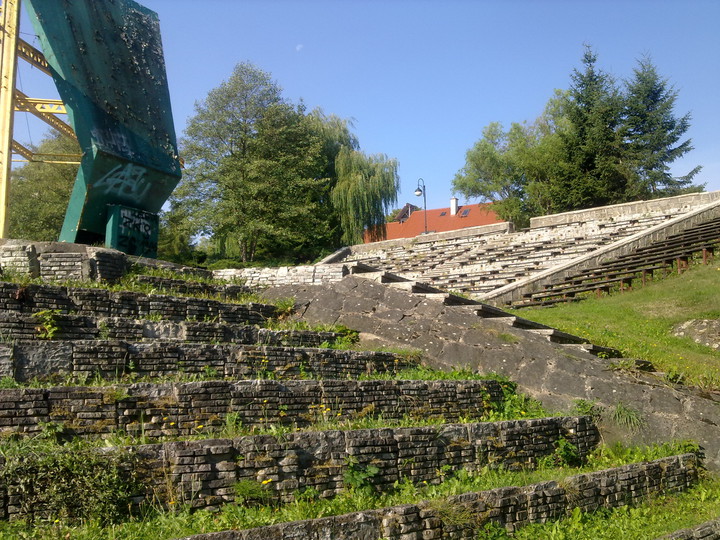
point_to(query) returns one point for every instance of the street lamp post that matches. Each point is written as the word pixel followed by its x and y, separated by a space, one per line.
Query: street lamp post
pixel 422 191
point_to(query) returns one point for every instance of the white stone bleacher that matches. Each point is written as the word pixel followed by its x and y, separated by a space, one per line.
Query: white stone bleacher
pixel 484 260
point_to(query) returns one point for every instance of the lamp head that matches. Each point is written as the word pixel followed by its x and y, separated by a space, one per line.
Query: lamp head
pixel 418 191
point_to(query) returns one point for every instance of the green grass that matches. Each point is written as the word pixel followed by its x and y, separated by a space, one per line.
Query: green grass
pixel 639 323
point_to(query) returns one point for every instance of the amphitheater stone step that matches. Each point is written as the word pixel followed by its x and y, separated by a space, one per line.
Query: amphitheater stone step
pixel 204 473
pixel 186 409
pixel 59 326
pixel 511 507
pixel 57 361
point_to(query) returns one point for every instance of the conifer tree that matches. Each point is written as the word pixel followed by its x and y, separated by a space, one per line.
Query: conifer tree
pixel 652 135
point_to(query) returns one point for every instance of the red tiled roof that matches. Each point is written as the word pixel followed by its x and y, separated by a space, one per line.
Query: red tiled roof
pixel 439 220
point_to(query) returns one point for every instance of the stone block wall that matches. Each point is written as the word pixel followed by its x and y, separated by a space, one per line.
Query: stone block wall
pixel 709 530
pixel 103 302
pixel 19 326
pixel 285 275
pixel 185 409
pixel 61 261
pixel 462 516
pixel 57 361
pixel 204 473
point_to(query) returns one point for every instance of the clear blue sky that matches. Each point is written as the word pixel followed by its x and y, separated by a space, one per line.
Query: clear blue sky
pixel 421 78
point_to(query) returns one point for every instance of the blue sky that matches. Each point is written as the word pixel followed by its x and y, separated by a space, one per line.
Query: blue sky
pixel 421 78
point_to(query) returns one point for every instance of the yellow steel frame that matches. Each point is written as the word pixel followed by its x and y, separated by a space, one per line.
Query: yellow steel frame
pixel 11 99
pixel 10 20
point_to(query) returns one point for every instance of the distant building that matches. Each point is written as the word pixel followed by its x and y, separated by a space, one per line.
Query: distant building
pixel 410 221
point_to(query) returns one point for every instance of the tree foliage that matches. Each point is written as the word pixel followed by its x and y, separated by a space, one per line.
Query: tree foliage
pixel 366 188
pixel 266 180
pixel 39 192
pixel 653 133
pixel 595 144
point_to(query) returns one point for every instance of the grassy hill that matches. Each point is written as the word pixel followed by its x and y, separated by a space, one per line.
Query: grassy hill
pixel 639 323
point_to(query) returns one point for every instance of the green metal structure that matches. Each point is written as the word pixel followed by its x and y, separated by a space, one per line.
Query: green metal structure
pixel 107 62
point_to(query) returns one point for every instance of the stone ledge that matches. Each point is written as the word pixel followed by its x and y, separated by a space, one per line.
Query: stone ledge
pixel 177 409
pixel 204 473
pixel 511 507
pixel 110 359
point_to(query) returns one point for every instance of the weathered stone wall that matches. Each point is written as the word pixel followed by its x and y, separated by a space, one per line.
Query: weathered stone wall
pixel 284 275
pixel 184 409
pixel 19 326
pixel 557 375
pixel 103 302
pixel 461 516
pixel 707 531
pixel 204 473
pixel 61 261
pixel 58 361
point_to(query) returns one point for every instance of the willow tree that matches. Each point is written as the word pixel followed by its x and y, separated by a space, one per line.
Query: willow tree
pixel 365 191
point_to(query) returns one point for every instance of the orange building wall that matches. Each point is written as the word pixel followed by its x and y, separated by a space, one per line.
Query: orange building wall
pixel 478 214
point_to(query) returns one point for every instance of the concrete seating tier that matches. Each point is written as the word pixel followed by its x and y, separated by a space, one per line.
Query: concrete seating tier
pixel 481 263
pixel 204 473
pixel 637 266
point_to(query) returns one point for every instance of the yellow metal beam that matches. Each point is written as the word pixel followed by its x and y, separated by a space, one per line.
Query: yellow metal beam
pixel 33 56
pixel 22 150
pixel 24 104
pixel 51 106
pixel 30 156
pixel 10 21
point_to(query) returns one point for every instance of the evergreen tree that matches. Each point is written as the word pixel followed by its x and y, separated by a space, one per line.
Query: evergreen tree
pixel 652 135
pixel 592 172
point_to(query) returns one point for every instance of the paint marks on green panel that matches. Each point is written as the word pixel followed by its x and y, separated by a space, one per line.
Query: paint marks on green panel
pixel 132 231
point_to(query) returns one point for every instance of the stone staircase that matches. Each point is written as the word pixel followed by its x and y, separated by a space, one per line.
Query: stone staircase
pixel 208 398
pixel 475 308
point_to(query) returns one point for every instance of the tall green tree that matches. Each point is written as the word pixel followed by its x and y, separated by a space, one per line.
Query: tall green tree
pixel 493 171
pixel 514 169
pixel 653 134
pixel 39 192
pixel 593 172
pixel 593 145
pixel 267 180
